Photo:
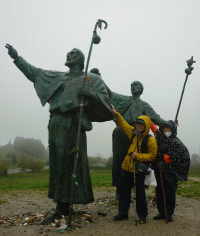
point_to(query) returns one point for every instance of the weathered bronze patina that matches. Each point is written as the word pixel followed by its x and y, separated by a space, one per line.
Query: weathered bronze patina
pixel 62 91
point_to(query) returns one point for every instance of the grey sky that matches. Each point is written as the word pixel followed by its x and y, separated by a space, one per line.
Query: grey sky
pixel 148 41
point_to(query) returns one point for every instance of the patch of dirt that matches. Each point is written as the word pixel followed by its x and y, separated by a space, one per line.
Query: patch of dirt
pixel 25 204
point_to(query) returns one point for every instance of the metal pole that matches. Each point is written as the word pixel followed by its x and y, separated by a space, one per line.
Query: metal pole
pixel 180 100
pixel 95 39
pixel 75 164
pixel 188 71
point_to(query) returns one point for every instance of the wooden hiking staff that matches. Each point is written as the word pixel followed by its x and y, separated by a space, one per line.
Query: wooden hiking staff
pixel 95 40
pixel 134 188
pixel 161 180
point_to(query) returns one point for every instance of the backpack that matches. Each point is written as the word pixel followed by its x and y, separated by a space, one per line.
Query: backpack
pixel 144 142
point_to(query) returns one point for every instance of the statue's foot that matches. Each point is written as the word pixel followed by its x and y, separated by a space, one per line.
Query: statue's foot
pixel 50 219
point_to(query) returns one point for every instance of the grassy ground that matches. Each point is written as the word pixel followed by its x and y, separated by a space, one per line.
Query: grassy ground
pixel 25 181
pixel 19 181
pixel 101 179
pixel 189 189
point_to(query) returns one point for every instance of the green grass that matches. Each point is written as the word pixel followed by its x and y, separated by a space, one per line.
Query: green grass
pixel 194 175
pixel 101 180
pixel 189 189
pixel 24 181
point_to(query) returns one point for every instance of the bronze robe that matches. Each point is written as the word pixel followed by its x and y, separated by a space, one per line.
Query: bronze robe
pixel 60 91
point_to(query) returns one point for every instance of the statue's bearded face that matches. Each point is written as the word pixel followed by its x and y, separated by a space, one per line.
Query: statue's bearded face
pixel 136 88
pixel 73 58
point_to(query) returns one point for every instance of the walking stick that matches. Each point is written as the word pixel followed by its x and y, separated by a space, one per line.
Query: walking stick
pixel 161 180
pixel 188 71
pixel 96 40
pixel 134 189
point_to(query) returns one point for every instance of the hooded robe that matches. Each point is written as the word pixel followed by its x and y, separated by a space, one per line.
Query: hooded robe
pixel 61 92
pixel 178 168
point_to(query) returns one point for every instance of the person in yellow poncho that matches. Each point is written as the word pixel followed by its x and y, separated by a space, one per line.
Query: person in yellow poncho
pixel 141 130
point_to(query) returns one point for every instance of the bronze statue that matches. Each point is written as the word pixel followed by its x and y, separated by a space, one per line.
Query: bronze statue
pixel 62 91
pixel 130 107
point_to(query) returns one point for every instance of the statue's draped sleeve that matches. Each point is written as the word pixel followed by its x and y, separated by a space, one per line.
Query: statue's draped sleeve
pixel 152 114
pixel 100 110
pixel 47 82
pixel 131 109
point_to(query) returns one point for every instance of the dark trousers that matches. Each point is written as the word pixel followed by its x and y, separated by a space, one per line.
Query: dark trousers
pixel 170 196
pixel 127 183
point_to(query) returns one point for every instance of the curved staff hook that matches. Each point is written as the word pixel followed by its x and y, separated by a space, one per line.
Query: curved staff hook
pixel 95 39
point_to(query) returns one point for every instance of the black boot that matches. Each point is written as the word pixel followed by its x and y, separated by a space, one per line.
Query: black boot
pixel 120 217
pixel 170 218
pixel 159 217
pixel 142 220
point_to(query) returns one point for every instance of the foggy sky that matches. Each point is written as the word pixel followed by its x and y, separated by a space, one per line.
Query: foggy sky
pixel 148 41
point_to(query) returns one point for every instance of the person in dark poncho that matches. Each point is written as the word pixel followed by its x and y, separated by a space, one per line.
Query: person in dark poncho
pixel 175 161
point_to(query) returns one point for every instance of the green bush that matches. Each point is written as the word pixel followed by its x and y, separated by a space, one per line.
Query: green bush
pixel 3 169
pixel 35 165
pixel 12 156
pixel 23 162
pixel 109 163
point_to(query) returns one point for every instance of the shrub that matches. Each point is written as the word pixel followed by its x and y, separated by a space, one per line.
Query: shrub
pixel 12 156
pixel 35 165
pixel 3 168
pixel 23 162
pixel 109 162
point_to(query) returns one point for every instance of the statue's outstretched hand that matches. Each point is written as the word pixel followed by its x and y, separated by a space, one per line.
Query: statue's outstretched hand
pixel 11 51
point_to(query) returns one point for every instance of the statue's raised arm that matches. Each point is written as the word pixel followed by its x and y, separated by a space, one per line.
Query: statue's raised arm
pixel 12 51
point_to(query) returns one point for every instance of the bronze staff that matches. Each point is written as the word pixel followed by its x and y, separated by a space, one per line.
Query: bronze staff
pixel 188 71
pixel 96 40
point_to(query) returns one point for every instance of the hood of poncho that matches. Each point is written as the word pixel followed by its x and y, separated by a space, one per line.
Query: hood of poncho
pixel 147 121
pixel 172 125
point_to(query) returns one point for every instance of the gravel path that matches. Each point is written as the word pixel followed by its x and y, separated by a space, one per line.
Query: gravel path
pixel 19 212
